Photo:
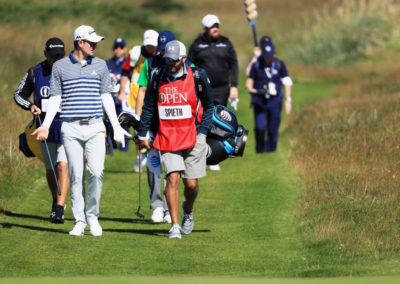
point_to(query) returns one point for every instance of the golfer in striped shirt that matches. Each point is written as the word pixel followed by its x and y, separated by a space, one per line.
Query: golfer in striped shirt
pixel 80 85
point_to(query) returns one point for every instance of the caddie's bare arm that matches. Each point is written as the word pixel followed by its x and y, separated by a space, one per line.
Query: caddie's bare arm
pixel 140 99
pixel 43 131
pixel 122 82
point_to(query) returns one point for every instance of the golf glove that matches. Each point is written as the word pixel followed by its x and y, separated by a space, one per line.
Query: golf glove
pixel 234 103
pixel 120 134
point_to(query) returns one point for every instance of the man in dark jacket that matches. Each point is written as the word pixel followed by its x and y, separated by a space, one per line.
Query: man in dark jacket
pixel 37 82
pixel 216 54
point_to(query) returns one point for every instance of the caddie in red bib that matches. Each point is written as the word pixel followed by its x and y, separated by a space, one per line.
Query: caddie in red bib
pixel 179 115
pixel 177 110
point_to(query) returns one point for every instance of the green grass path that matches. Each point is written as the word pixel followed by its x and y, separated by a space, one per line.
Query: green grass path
pixel 243 226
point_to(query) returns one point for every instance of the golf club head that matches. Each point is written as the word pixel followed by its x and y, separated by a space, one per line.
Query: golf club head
pixel 140 215
pixel 127 120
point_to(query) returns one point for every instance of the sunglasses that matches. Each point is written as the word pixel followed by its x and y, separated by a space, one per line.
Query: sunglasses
pixel 57 56
pixel 119 46
pixel 170 60
pixel 92 44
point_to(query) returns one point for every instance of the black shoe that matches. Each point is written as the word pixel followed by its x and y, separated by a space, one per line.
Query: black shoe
pixel 59 215
pixel 53 211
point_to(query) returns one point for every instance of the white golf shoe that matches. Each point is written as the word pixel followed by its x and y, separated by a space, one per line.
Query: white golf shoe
pixel 175 232
pixel 95 228
pixel 167 217
pixel 78 230
pixel 158 215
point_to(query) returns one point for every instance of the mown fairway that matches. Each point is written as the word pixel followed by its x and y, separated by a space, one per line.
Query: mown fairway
pixel 243 226
pixel 249 220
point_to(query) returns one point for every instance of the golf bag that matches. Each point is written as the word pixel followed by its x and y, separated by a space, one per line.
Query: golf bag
pixel 226 138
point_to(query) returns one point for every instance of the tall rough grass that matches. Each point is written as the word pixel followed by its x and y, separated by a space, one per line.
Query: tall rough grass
pixel 348 152
pixel 343 34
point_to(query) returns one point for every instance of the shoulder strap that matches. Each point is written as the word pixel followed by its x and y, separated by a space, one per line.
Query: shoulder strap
pixel 198 82
pixel 155 79
pixel 199 88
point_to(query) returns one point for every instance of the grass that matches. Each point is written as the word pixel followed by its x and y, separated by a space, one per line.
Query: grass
pixel 234 234
pixel 325 205
pixel 346 150
pixel 343 34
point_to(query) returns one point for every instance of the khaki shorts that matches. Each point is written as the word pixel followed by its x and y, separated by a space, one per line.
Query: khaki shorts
pixel 191 162
pixel 57 154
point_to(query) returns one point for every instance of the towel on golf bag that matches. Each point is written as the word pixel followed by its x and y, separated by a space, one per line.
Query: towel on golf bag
pixel 28 144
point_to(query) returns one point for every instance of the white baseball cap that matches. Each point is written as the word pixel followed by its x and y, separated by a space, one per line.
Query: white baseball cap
pixel 150 37
pixel 86 33
pixel 209 20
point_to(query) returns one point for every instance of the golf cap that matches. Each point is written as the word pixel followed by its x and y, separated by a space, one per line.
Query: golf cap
pixel 173 50
pixel 55 47
pixel 265 39
pixel 268 49
pixel 182 49
pixel 209 20
pixel 163 38
pixel 86 33
pixel 150 37
pixel 119 41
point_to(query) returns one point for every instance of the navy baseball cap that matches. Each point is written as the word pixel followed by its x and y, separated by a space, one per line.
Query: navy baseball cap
pixel 119 42
pixel 268 49
pixel 163 38
pixel 265 39
pixel 55 47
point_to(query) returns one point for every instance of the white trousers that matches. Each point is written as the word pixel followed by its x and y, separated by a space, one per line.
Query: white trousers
pixel 89 139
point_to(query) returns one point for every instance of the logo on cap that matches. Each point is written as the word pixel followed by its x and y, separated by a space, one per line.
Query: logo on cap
pixel 163 39
pixel 56 45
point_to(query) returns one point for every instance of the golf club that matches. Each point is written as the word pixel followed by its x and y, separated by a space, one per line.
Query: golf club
pixel 51 162
pixel 140 215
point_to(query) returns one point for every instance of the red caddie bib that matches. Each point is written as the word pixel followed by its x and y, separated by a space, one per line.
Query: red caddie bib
pixel 177 105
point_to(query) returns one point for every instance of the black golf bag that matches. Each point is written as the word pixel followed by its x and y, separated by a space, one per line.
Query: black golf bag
pixel 226 138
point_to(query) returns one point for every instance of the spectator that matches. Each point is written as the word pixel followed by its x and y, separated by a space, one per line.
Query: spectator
pixel 132 67
pixel 160 208
pixel 264 83
pixel 114 65
pixel 217 56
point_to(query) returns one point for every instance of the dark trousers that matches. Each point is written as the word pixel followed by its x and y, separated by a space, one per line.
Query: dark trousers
pixel 267 118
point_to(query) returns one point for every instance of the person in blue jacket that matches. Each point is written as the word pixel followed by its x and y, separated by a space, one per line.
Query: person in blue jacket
pixel 264 82
pixel 37 81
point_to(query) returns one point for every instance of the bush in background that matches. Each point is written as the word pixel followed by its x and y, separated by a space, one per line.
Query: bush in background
pixel 341 35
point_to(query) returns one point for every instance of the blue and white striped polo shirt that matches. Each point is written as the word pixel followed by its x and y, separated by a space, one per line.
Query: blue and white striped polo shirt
pixel 80 86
